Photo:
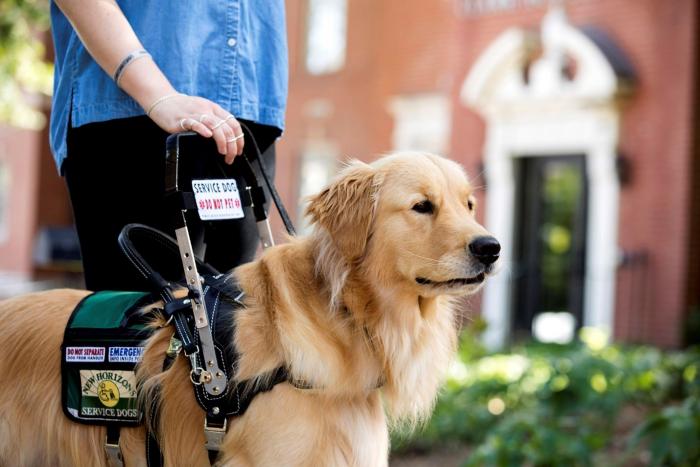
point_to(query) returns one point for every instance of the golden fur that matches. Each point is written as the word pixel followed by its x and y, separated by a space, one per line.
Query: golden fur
pixel 340 308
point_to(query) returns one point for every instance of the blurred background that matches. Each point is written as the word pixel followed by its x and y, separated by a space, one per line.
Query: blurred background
pixel 576 120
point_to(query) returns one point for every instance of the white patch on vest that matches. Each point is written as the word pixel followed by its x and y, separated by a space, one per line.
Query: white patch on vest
pixel 85 354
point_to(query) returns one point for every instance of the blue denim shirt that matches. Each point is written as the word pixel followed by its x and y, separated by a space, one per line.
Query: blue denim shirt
pixel 233 52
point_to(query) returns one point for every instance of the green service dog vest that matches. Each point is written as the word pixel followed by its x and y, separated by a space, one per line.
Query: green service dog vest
pixel 102 344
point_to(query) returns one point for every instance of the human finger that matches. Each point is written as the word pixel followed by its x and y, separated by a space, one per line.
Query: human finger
pixel 238 139
pixel 190 124
pixel 235 126
pixel 201 128
pixel 215 125
pixel 230 143
pixel 229 136
pixel 236 143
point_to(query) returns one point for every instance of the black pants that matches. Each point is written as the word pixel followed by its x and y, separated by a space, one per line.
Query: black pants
pixel 115 175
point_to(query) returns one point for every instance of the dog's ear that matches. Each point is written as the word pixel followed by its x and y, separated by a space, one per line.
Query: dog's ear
pixel 346 208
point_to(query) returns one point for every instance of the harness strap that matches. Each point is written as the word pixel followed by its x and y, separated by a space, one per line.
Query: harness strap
pixel 215 425
pixel 214 432
pixel 112 449
pixel 154 456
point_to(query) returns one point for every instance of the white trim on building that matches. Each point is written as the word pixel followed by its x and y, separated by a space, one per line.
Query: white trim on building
pixel 549 113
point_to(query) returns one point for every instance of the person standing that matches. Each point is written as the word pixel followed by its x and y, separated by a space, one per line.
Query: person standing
pixel 128 74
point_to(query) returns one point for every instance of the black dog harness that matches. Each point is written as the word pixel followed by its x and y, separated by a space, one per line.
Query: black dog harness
pixel 204 319
pixel 222 299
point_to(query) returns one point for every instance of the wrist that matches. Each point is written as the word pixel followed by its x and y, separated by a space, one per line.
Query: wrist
pixel 145 83
pixel 159 101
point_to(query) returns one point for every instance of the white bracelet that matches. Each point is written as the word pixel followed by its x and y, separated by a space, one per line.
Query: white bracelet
pixel 160 100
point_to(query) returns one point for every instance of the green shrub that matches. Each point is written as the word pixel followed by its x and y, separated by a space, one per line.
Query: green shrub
pixel 551 405
pixel 672 433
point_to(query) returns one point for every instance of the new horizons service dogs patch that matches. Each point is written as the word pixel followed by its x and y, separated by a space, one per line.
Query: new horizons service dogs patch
pixel 108 394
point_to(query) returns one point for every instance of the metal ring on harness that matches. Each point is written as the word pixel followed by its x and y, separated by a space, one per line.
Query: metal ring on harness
pixel 197 374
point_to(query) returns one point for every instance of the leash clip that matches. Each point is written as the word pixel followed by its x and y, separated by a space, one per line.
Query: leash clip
pixel 198 375
pixel 197 372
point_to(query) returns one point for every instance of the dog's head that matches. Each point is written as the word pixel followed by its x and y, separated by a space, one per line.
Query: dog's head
pixel 408 220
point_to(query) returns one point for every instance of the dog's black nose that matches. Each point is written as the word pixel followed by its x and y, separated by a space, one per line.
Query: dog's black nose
pixel 485 249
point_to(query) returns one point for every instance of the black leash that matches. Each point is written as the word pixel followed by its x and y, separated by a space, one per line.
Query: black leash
pixel 268 182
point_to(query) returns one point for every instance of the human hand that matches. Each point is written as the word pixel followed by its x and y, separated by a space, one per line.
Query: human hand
pixel 182 112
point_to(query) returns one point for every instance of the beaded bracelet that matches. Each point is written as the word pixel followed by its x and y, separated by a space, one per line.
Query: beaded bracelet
pixel 129 59
pixel 159 101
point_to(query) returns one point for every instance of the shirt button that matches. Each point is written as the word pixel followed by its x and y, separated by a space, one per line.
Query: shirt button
pixel 231 42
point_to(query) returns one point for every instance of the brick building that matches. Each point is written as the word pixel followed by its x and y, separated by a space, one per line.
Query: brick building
pixel 576 119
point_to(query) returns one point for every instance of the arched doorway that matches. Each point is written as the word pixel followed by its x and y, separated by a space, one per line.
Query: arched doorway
pixel 552 106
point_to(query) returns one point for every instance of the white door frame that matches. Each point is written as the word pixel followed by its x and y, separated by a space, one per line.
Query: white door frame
pixel 550 115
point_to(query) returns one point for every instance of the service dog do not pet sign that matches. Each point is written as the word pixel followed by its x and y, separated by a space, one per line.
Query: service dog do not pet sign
pixel 217 199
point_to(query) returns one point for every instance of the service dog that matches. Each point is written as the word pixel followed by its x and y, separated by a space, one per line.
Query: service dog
pixel 362 310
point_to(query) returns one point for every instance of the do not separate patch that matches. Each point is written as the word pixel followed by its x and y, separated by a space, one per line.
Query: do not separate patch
pixel 217 199
pixel 85 354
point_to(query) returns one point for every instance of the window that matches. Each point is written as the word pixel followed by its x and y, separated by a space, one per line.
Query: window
pixel 421 123
pixel 318 165
pixel 326 36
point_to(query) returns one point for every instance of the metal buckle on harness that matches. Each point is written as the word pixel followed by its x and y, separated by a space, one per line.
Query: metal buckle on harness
pixel 114 453
pixel 265 233
pixel 214 435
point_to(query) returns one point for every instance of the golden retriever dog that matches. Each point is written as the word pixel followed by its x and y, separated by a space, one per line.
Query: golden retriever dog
pixel 362 309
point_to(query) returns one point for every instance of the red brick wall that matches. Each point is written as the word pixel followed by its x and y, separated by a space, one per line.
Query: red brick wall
pixel 657 138
pixel 393 47
pixel 402 47
pixel 19 154
pixel 658 37
pixel 53 204
pixel 694 250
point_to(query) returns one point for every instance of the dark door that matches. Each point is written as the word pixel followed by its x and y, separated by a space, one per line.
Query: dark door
pixel 550 239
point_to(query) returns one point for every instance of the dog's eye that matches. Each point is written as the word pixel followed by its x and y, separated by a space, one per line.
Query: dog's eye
pixel 424 207
pixel 470 204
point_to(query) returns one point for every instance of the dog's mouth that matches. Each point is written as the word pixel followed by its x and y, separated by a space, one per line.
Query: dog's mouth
pixel 458 282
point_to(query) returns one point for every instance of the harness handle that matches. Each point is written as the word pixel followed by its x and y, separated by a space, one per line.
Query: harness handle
pixel 159 245
pixel 182 200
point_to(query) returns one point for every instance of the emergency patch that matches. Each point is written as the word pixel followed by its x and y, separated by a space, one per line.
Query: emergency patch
pixel 125 354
